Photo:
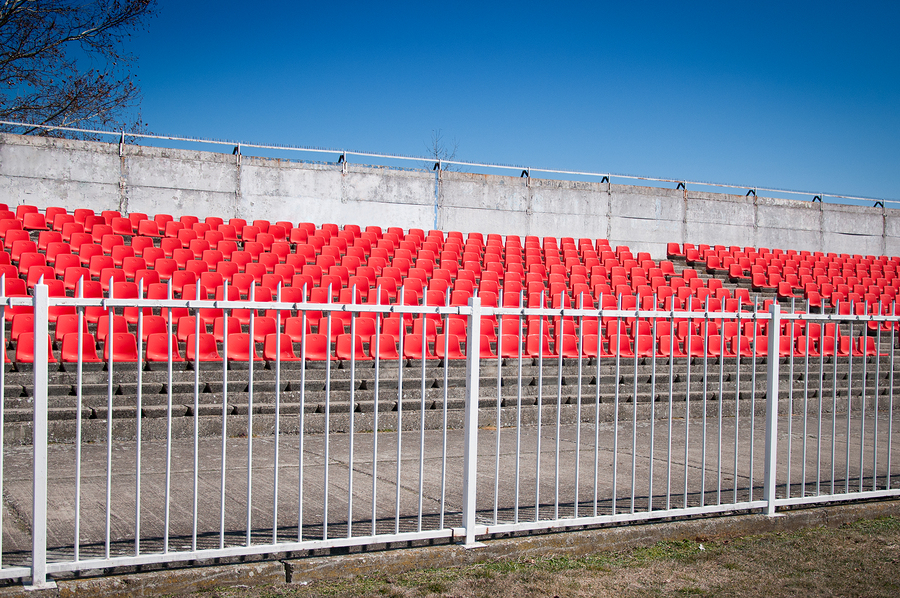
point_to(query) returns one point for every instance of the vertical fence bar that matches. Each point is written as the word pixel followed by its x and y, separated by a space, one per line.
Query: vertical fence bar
pixel 753 358
pixel 78 416
pixel 875 406
pixel 772 362
pixel 634 401
pixel 470 447
pixel 834 362
pixel 400 359
pixel 559 375
pixel 195 495
pixel 671 406
pixel 615 451
pixel 687 401
pixel 39 442
pixel 277 448
pixel 652 408
pixel 540 409
pixel 375 391
pixel 805 328
pixel 737 398
pixel 109 417
pixel 497 434
pixel 301 420
pixel 424 349
pixel 138 421
pixel 890 432
pixel 819 418
pixel 325 471
pixel 223 458
pixel 790 409
pixel 444 326
pixel 849 403
pixel 519 411
pixel 597 406
pixel 578 409
pixel 2 418
pixel 352 416
pixel 251 357
pixel 863 337
pixel 720 397
pixel 703 398
pixel 167 517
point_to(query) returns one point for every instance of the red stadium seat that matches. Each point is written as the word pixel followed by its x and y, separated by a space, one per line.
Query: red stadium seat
pixel 271 350
pixel 158 348
pixel 69 349
pixel 240 347
pixel 124 347
pixel 207 348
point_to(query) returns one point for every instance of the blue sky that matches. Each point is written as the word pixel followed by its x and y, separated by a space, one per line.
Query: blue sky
pixel 790 95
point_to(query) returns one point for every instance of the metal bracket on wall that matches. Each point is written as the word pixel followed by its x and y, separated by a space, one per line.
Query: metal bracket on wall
pixel 605 180
pixel 751 192
pixel 342 160
pixel 237 152
pixel 817 198
pixel 122 145
pixel 526 174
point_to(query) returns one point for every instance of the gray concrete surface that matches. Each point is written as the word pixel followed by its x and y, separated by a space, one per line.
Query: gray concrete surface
pixel 690 470
pixel 57 172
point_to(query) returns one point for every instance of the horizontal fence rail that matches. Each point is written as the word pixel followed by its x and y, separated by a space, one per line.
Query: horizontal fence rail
pixel 343 156
pixel 181 444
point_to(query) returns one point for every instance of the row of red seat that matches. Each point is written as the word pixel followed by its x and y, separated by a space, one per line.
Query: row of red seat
pixel 123 347
pixel 813 276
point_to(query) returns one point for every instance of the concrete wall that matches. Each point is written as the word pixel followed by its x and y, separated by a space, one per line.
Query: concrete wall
pixel 57 172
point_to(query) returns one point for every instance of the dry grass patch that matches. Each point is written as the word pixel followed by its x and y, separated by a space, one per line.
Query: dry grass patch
pixel 859 559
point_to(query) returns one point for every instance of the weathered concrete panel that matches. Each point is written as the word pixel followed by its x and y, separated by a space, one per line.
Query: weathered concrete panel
pixel 657 251
pixel 784 238
pixel 647 203
pixel 178 169
pixel 719 234
pixel 175 201
pixel 483 192
pixel 48 192
pixel 790 214
pixel 298 192
pixel 413 188
pixel 58 172
pixel 644 229
pixel 709 208
pixel 853 244
pixel 892 223
pixel 485 220
pixel 892 245
pixel 852 219
pixel 61 159
pixel 567 225
pixel 564 197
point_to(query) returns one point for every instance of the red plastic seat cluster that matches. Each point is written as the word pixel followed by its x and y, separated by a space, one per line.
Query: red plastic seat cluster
pixel 130 256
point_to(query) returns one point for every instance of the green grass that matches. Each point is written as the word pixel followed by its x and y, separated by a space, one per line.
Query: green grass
pixel 859 559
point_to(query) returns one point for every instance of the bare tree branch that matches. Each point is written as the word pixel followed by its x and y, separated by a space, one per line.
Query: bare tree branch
pixel 441 151
pixel 45 46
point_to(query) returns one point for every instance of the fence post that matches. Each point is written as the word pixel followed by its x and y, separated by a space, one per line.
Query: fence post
pixel 772 361
pixel 39 440
pixel 470 447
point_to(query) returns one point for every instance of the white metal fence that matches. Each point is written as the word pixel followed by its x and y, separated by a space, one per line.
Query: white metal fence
pixel 596 429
